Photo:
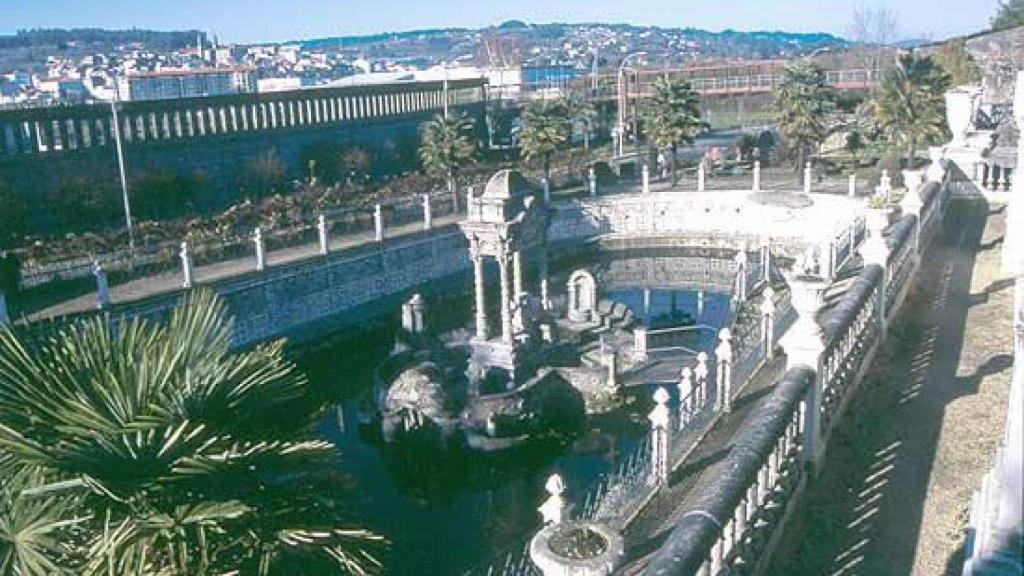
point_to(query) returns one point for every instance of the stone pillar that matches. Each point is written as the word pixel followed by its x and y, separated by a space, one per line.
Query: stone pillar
pixel 660 419
pixel 611 363
pixel 645 179
pixel 852 190
pixel 592 181
pixel 378 223
pixel 723 375
pixel 640 344
pixel 427 217
pixel 547 189
pixel 506 298
pixel 478 283
pixel 757 176
pixel 741 275
pixel 261 255
pixel 5 317
pixel 686 396
pixel 102 285
pixel 322 234
pixel 768 321
pixel 542 271
pixel 701 176
pixel 186 265
pixel 804 344
pixel 808 174
pixel 517 274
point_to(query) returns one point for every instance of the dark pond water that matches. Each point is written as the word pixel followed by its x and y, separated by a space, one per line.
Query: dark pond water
pixel 446 511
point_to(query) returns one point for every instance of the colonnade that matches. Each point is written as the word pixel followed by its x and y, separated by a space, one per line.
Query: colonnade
pixel 510 279
pixel 992 175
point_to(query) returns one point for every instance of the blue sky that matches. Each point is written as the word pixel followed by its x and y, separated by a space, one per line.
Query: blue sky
pixel 270 20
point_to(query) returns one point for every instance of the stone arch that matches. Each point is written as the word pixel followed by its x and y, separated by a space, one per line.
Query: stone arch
pixel 582 289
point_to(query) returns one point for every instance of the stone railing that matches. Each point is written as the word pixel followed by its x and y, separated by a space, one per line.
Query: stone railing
pixel 746 492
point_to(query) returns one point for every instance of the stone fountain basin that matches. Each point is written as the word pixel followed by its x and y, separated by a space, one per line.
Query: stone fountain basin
pixel 552 563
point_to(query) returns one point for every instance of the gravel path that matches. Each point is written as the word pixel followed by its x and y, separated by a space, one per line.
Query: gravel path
pixel 896 486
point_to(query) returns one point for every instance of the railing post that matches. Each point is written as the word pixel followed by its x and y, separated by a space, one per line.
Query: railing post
pixel 851 190
pixel 546 185
pixel 378 223
pixel 640 344
pixel 768 319
pixel 427 216
pixel 724 360
pixel 611 363
pixel 645 179
pixel 701 176
pixel 322 234
pixel 5 317
pixel 261 254
pixel 701 374
pixel 685 396
pixel 741 275
pixel 757 176
pixel 660 419
pixel 592 181
pixel 808 174
pixel 186 265
pixel 102 285
pixel 766 259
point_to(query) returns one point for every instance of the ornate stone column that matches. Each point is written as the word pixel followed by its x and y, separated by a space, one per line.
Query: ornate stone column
pixel 478 283
pixel 506 298
pixel 542 271
pixel 517 274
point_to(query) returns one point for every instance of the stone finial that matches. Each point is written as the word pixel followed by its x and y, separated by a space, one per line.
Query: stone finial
pixel 701 370
pixel 768 302
pixel 553 508
pixel 724 349
pixel 685 382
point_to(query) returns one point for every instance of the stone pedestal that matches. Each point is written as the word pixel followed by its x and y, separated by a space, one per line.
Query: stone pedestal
pixel 804 344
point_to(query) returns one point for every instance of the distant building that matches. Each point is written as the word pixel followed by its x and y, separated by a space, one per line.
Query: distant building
pixel 187 83
pixel 278 84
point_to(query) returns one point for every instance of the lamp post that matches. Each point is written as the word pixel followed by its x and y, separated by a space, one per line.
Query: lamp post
pixel 124 182
pixel 621 99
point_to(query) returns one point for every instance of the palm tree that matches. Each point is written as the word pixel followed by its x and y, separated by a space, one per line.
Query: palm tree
pixel 803 103
pixel 168 453
pixel 446 144
pixel 910 103
pixel 576 108
pixel 672 116
pixel 543 133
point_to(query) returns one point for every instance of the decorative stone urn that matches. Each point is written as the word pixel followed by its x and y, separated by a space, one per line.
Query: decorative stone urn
pixel 961 104
pixel 577 549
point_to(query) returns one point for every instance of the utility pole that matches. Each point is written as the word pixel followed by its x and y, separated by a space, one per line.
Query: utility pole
pixel 124 182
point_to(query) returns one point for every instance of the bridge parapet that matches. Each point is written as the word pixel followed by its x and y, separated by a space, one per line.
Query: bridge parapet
pixel 47 130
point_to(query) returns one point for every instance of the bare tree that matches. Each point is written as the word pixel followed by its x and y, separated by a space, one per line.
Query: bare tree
pixel 873 29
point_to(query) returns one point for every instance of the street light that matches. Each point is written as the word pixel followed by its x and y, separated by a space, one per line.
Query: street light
pixel 621 124
pixel 124 182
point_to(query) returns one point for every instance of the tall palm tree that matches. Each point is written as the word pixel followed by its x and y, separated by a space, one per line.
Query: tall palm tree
pixel 543 133
pixel 172 455
pixel 672 116
pixel 803 105
pixel 910 103
pixel 446 144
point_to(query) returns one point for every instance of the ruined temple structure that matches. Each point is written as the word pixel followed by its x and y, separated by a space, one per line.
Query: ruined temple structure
pixel 508 223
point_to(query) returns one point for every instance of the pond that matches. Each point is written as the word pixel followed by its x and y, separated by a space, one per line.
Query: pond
pixel 447 510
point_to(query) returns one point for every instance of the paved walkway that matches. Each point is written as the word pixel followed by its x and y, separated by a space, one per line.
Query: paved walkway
pixel 141 288
pixel 896 486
